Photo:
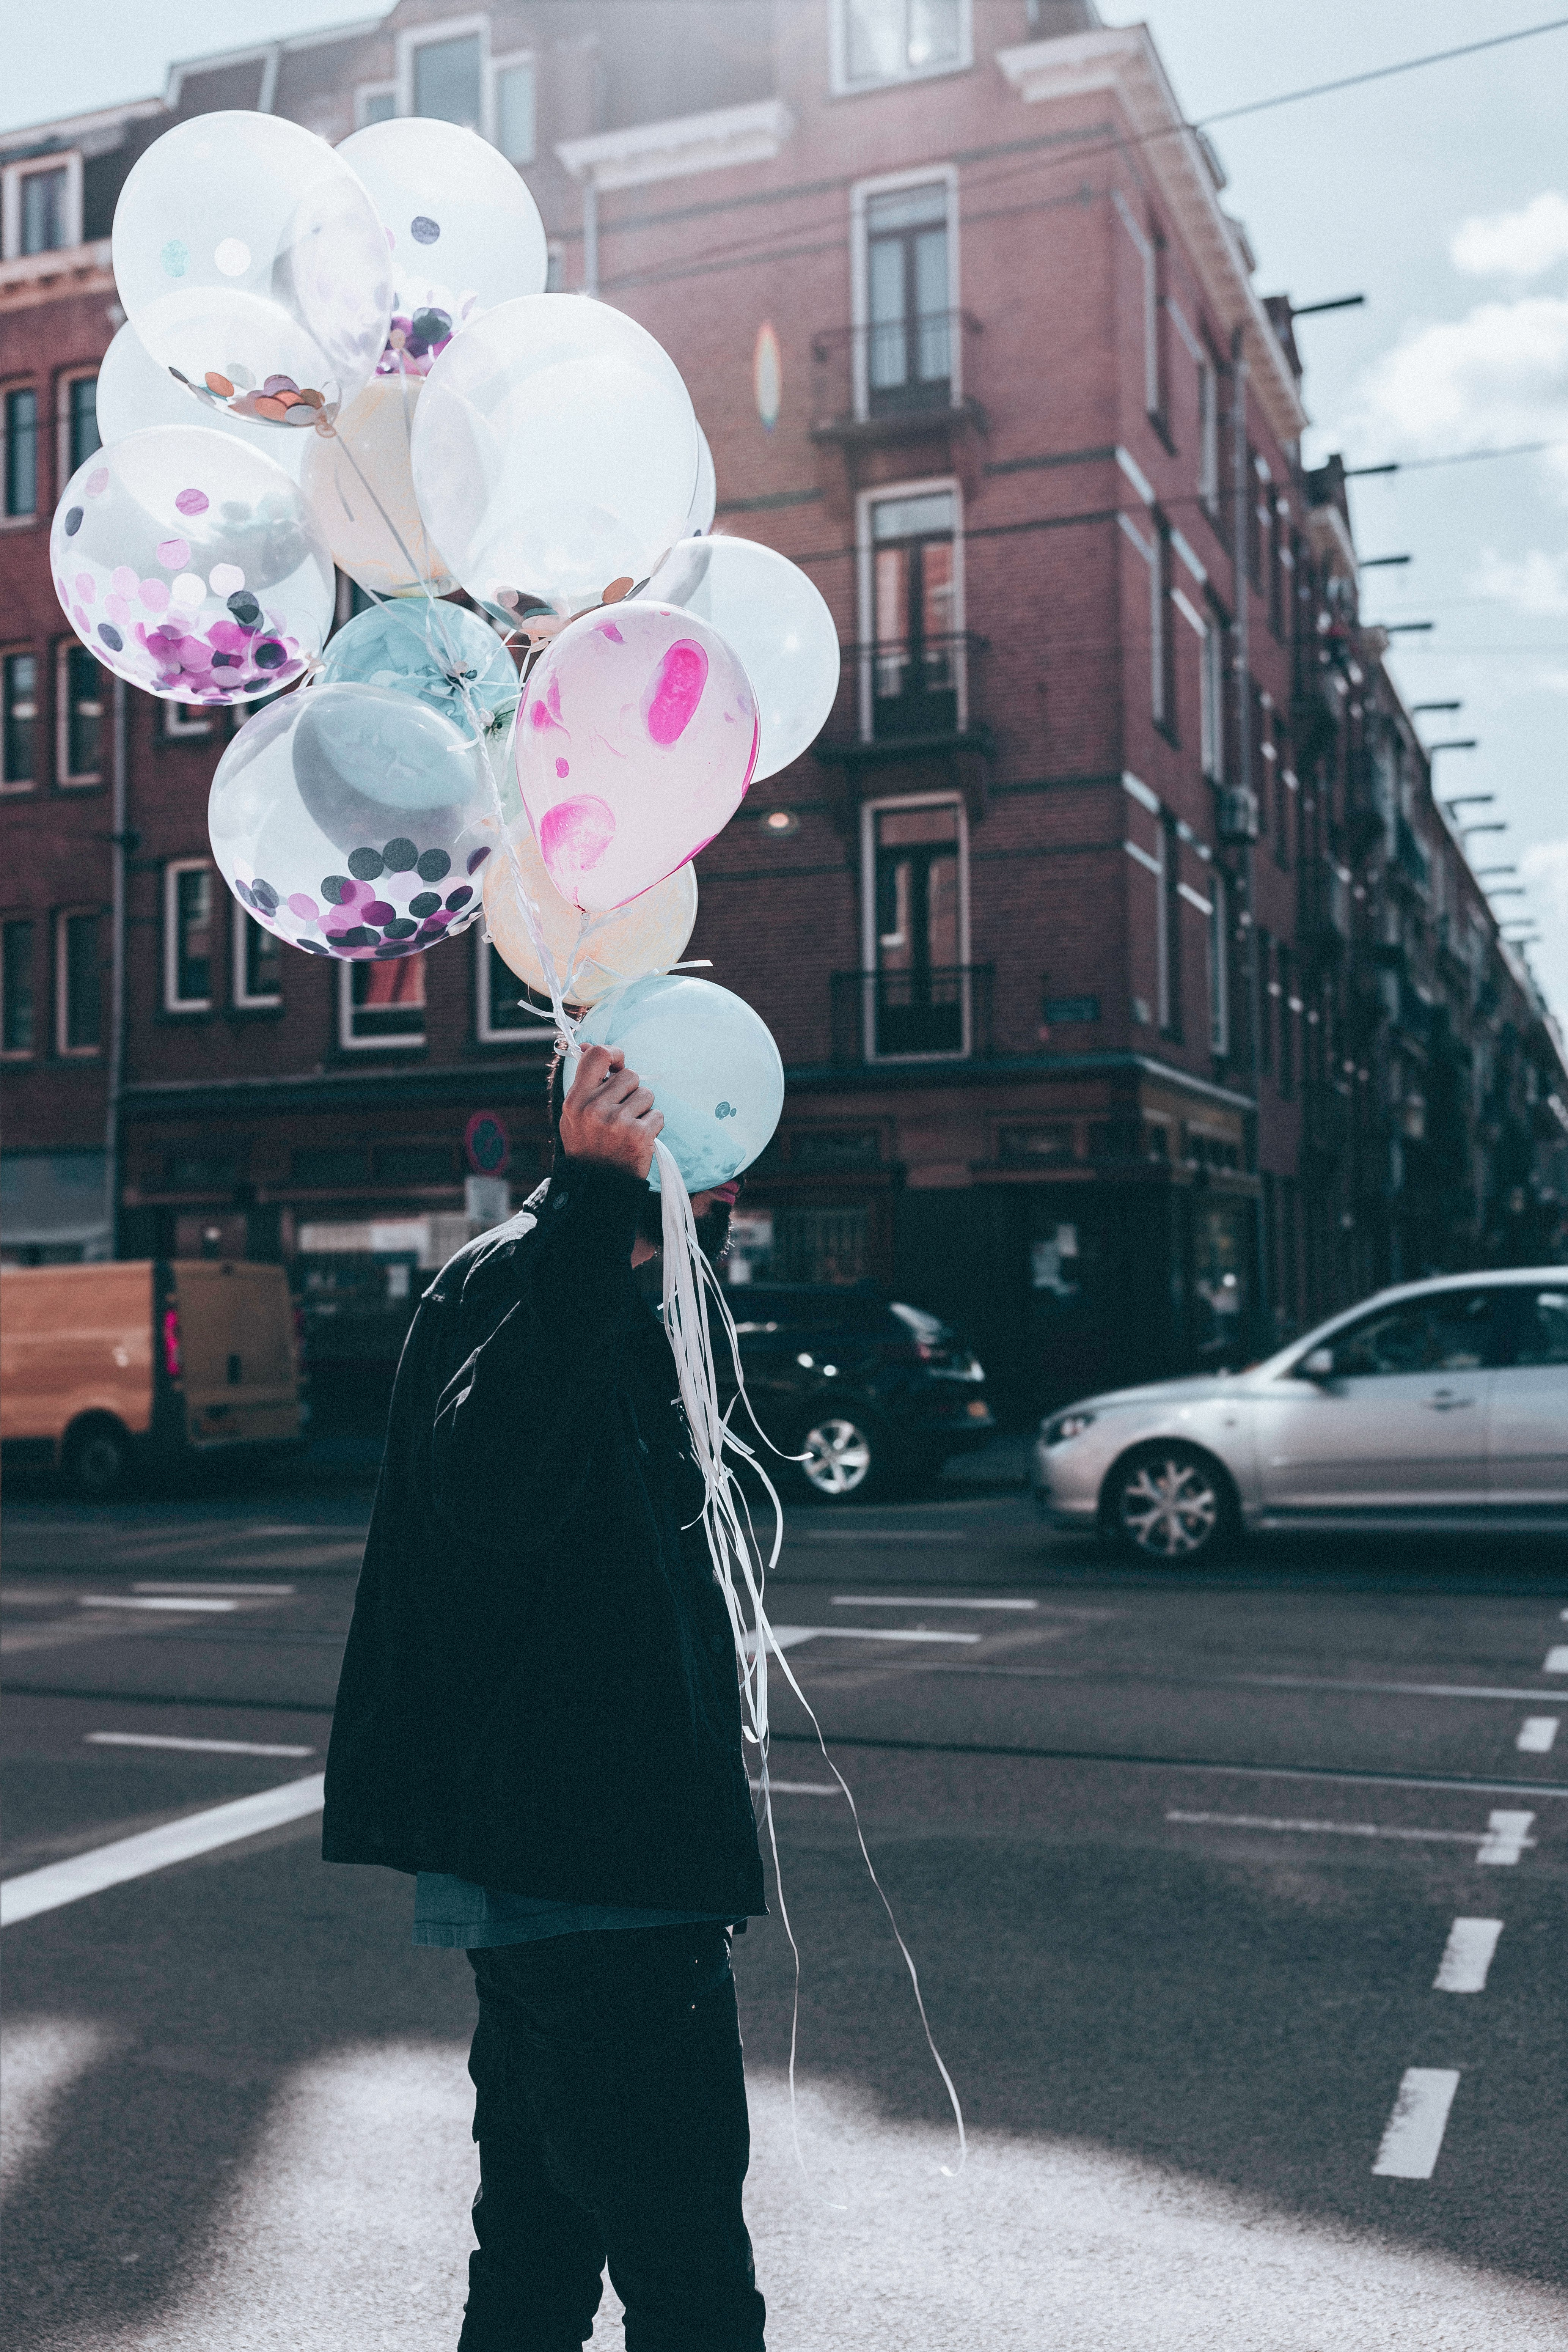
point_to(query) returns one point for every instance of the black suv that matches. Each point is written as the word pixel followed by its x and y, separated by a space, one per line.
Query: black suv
pixel 873 1394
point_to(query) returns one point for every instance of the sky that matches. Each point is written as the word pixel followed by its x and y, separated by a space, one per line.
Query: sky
pixel 1442 196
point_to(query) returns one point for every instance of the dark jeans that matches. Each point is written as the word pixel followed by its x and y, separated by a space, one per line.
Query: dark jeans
pixel 612 2124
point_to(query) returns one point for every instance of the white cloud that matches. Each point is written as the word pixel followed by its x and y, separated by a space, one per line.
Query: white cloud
pixel 1536 583
pixel 1513 245
pixel 1494 377
pixel 1545 866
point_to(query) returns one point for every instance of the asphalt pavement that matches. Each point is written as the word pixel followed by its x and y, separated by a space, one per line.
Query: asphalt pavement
pixel 1239 1899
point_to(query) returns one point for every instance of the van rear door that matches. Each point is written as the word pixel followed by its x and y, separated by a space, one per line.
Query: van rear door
pixel 237 1345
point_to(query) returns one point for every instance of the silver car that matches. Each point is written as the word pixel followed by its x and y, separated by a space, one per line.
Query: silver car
pixel 1441 1403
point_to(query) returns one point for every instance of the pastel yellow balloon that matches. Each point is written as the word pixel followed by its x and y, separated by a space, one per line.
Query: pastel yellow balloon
pixel 647 934
pixel 359 487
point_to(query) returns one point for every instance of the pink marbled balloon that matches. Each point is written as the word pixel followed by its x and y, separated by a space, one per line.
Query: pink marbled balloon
pixel 635 745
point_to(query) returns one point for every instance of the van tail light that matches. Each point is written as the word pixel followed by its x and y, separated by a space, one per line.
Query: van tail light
pixel 172 1359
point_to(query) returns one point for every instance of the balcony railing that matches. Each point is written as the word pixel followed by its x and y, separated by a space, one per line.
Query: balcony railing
pixel 927 1012
pixel 907 690
pixel 1325 911
pixel 893 378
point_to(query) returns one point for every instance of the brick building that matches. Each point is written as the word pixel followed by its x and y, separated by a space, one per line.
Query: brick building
pixel 1134 993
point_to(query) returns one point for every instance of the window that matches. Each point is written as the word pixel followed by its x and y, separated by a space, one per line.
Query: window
pixel 881 41
pixel 1220 965
pixel 1170 926
pixel 917 984
pixel 448 80
pixel 908 359
pixel 187 936
pixel 78 994
pixel 184 722
pixel 19 751
pixel 21 453
pixel 1267 990
pixel 40 206
pixel 79 402
pixel 1208 435
pixel 1285 989
pixel 79 707
pixel 1211 693
pixel 555 269
pixel 1540 1331
pixel 383 1004
pixel 1162 640
pixel 374 102
pixel 912 682
pixel 258 962
pixel 18 1029
pixel 1452 1331
pixel 514 130
pixel 498 994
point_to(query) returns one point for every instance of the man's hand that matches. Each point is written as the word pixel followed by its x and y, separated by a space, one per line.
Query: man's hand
pixel 608 1119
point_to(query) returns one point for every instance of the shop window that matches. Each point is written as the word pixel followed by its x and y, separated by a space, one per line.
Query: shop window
pixel 19 751
pixel 19 459
pixel 78 985
pixel 1049 1144
pixel 382 1005
pixel 823 1244
pixel 858 1147
pixel 80 688
pixel 258 964
pixel 18 1025
pixel 187 936
pixel 875 42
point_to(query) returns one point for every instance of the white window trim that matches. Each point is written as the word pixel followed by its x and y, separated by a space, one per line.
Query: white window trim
pixel 239 996
pixel 1208 435
pixel 18 1053
pixel 10 786
pixel 10 384
pixel 869 809
pixel 888 183
pixel 11 179
pixel 172 1001
pixel 496 66
pixel 63 382
pixel 865 573
pixel 364 93
pixel 184 722
pixel 409 1043
pixel 538 1033
pixel 840 86
pixel 1211 705
pixel 1150 262
pixel 64 916
pixel 432 32
pixel 66 777
pixel 1220 966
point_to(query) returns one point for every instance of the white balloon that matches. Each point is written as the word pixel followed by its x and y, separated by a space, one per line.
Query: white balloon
pixel 464 232
pixel 360 491
pixel 705 497
pixel 776 620
pixel 555 455
pixel 250 259
pixel 134 394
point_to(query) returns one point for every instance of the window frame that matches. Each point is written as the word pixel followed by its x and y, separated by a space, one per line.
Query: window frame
pixel 884 494
pixel 8 654
pixel 11 178
pixel 431 33
pixel 66 777
pixel 240 996
pixel 366 90
pixel 174 869
pixel 1219 963
pixel 25 519
pixel 184 722
pixel 7 923
pixel 348 1043
pixel 494 68
pixel 839 82
pixel 870 811
pixel 67 378
pixel 64 1051
pixel 534 1032
pixel 888 183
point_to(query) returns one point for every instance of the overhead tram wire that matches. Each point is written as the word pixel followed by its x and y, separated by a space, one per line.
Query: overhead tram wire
pixel 759 250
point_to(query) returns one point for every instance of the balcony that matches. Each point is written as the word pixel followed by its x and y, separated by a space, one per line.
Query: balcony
pixel 1326 1120
pixel 896 381
pixel 907 695
pixel 1410 864
pixel 938 1012
pixel 1324 918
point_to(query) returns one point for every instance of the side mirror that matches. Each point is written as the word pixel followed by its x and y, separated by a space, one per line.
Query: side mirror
pixel 1318 1365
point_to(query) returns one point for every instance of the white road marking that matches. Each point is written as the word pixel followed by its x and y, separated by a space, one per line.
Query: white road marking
pixel 922 1600
pixel 1507 1837
pixel 197 1747
pixel 789 1637
pixel 1414 2133
pixel 34 1891
pixel 1345 1829
pixel 800 1788
pixel 281 1590
pixel 1467 1955
pixel 145 1601
pixel 1556 1659
pixel 1538 1734
pixel 886 1535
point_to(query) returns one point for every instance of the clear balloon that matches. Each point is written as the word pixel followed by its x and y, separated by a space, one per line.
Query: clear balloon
pixel 357 478
pixel 555 455
pixel 635 744
pixel 705 497
pixel 592 954
pixel 464 231
pixel 779 624
pixel 354 821
pixel 710 1063
pixel 450 658
pixel 250 262
pixel 191 566
pixel 133 393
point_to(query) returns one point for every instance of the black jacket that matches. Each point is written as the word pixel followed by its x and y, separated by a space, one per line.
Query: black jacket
pixel 540 1690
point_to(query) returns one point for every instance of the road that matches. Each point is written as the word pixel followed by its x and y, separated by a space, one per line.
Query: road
pixel 1197 1871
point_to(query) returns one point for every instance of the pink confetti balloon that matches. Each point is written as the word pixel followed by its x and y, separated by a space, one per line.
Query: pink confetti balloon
pixel 635 743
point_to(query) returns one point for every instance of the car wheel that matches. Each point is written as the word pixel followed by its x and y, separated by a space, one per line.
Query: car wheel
pixel 1170 1504
pixel 97 1461
pixel 844 1458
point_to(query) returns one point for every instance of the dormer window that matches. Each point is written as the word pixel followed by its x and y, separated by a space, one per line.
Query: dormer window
pixel 876 42
pixel 40 206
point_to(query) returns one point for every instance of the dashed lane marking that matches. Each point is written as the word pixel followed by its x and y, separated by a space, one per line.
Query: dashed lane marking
pixel 883 1535
pixel 1538 1734
pixel 799 1787
pixel 1467 1955
pixel 34 1891
pixel 1556 1659
pixel 261 1591
pixel 1414 2133
pixel 1507 1836
pixel 922 1600
pixel 148 1600
pixel 1504 1839
pixel 196 1747
pixel 789 1637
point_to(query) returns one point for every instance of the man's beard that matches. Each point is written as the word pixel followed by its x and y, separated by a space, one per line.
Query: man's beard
pixel 713 1226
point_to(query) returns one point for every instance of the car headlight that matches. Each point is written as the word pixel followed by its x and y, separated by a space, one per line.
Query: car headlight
pixel 1064 1426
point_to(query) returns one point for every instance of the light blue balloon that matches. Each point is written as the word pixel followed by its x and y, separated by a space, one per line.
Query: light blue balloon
pixel 710 1063
pixel 421 647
